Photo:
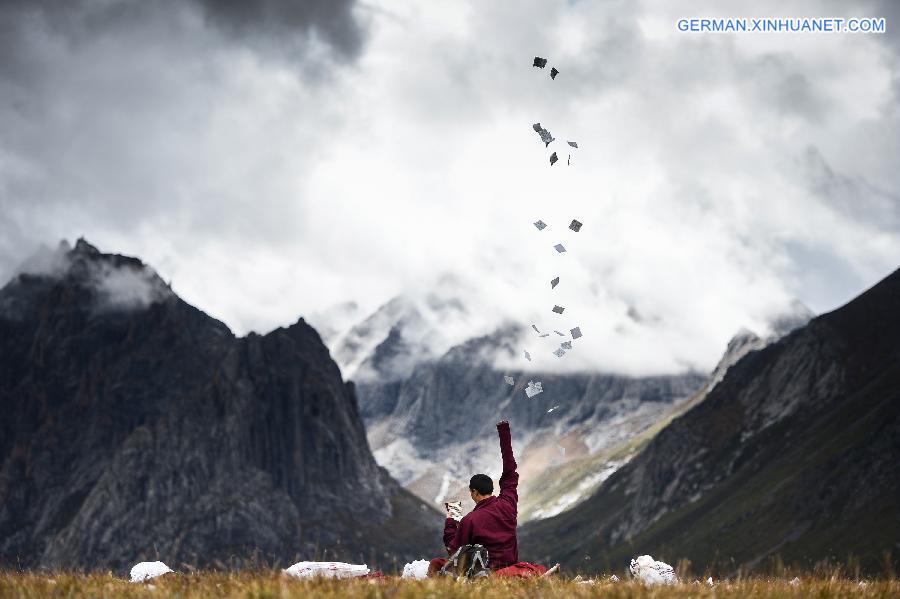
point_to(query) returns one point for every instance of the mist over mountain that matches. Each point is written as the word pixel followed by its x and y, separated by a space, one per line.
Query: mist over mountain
pixel 745 340
pixel 791 457
pixel 429 416
pixel 137 427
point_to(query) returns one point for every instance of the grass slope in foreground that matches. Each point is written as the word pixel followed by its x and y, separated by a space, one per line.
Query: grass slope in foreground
pixel 273 584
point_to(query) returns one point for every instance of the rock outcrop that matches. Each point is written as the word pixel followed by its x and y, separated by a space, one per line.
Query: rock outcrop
pixel 136 427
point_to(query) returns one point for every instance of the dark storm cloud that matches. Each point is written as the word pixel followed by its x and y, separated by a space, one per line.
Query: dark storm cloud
pixel 854 197
pixel 108 108
pixel 277 26
pixel 782 83
pixel 890 10
pixel 280 23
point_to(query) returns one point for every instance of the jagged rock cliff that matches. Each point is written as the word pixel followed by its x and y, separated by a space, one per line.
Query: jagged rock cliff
pixel 793 454
pixel 135 426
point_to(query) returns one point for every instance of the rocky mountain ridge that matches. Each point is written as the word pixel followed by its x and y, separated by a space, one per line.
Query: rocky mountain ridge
pixel 137 427
pixel 791 459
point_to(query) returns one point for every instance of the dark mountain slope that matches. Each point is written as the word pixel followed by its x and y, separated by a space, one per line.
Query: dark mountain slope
pixel 136 426
pixel 794 453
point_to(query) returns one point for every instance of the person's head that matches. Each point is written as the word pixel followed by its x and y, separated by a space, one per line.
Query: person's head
pixel 481 487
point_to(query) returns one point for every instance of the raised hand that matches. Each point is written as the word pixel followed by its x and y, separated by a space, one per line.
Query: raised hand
pixel 454 510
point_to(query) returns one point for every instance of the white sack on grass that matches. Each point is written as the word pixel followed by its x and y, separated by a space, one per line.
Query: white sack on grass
pixel 146 570
pixel 327 570
pixel 649 571
pixel 417 569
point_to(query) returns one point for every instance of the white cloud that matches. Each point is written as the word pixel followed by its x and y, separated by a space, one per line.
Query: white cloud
pixel 118 284
pixel 127 287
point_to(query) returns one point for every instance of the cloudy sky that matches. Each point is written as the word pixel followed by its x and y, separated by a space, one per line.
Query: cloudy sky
pixel 278 158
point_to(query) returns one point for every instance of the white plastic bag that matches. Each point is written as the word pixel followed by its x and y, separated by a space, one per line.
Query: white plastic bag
pixel 649 571
pixel 417 569
pixel 327 570
pixel 146 570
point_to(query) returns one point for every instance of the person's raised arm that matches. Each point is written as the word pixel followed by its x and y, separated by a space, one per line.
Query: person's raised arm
pixel 509 480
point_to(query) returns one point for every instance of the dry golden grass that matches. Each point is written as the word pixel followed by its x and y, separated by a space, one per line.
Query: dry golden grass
pixel 266 584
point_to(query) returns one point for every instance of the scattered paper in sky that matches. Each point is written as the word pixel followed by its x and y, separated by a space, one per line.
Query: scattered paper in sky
pixel 533 389
pixel 545 135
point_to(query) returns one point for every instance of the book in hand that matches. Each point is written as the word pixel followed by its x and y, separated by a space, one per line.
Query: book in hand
pixel 454 510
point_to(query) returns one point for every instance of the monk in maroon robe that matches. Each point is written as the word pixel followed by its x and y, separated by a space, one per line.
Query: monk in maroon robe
pixel 492 522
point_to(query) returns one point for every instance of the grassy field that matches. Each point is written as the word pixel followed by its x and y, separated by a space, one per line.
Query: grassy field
pixel 273 584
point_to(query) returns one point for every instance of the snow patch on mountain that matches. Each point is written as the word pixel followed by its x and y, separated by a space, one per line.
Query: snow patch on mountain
pixel 579 493
pixel 402 461
pixel 445 486
pixel 388 343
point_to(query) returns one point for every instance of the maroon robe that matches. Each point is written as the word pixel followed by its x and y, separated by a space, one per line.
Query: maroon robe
pixel 493 521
